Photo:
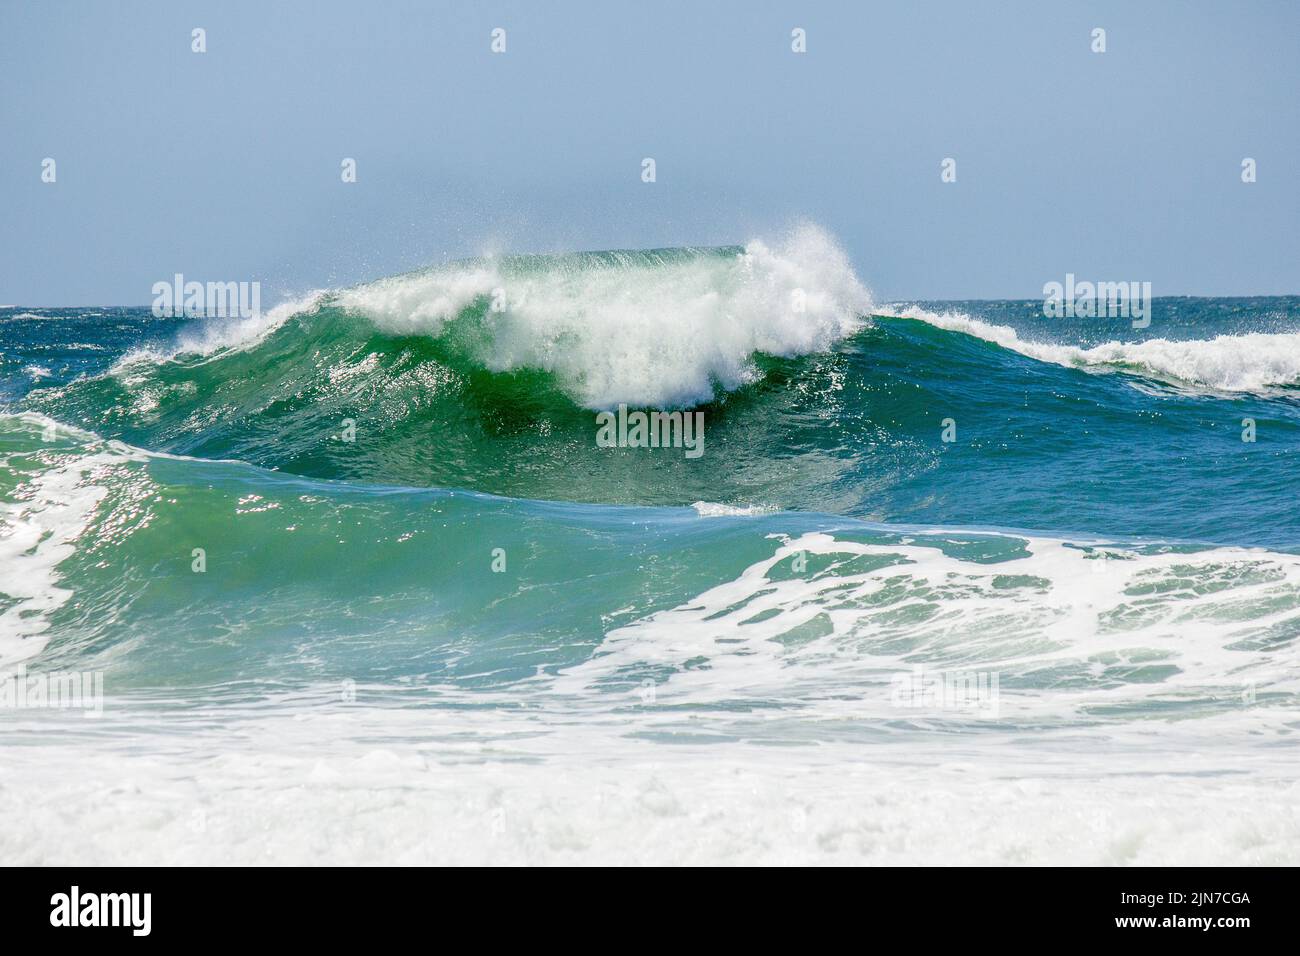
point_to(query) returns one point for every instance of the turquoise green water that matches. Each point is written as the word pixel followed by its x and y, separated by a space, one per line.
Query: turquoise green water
pixel 399 484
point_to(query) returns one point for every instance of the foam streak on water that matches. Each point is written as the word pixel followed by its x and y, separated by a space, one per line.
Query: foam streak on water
pixel 1242 362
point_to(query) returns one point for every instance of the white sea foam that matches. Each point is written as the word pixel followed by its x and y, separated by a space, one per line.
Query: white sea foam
pixel 1068 628
pixel 643 332
pixel 47 501
pixel 713 509
pixel 228 785
pixel 1248 362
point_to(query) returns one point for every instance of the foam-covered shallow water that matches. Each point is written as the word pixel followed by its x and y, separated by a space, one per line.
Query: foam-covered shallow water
pixel 949 581
pixel 316 780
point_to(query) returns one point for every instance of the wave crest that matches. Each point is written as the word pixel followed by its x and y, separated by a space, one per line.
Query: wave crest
pixel 661 329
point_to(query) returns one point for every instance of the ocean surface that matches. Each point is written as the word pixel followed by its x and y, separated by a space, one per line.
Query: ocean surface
pixel 362 586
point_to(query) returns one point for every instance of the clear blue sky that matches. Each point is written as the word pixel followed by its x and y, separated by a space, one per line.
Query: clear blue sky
pixel 225 165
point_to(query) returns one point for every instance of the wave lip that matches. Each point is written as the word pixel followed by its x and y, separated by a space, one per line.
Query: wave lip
pixel 663 329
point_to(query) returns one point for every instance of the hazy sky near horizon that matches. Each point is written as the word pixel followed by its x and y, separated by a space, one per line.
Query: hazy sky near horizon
pixel 225 165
